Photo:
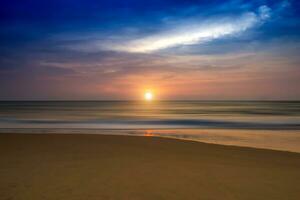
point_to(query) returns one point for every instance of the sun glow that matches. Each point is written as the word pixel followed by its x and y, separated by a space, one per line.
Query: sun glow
pixel 148 96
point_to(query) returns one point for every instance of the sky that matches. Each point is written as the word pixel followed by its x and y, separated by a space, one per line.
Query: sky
pixel 179 49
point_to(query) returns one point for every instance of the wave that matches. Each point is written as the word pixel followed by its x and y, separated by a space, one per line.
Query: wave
pixel 137 124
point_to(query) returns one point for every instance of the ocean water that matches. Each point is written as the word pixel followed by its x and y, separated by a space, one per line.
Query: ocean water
pixel 262 124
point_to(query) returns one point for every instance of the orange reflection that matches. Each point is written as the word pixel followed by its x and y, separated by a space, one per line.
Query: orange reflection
pixel 148 133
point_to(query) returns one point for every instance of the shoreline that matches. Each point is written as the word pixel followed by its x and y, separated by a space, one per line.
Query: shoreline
pixel 287 141
pixel 158 137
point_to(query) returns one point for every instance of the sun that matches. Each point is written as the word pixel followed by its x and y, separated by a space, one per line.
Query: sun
pixel 148 96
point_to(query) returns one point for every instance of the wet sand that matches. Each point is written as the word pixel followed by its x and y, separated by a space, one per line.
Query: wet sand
pixel 49 166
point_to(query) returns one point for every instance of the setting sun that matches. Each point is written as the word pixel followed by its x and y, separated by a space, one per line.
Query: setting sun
pixel 148 96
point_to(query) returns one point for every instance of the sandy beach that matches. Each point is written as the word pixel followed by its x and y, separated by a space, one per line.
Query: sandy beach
pixel 49 166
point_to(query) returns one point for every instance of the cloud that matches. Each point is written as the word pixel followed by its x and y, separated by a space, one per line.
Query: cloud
pixel 192 32
pixel 264 12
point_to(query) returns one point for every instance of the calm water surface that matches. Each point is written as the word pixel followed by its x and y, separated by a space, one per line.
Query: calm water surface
pixel 261 124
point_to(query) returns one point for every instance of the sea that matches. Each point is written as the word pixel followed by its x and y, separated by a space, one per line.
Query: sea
pixel 257 124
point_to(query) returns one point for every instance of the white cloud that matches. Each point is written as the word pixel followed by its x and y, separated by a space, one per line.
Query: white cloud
pixel 192 33
pixel 264 12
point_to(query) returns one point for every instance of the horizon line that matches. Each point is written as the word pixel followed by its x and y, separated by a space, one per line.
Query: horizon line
pixel 162 100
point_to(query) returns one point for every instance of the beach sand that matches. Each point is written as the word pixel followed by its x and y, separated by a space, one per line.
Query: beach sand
pixel 52 166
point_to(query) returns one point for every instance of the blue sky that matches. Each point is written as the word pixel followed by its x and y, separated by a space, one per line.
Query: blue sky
pixel 180 49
